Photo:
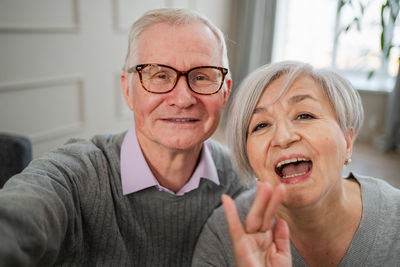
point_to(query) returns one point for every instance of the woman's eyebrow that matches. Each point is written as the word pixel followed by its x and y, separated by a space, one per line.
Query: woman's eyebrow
pixel 260 109
pixel 293 100
pixel 298 98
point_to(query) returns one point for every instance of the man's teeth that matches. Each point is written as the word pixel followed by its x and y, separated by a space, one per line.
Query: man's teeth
pixel 181 120
pixel 294 175
pixel 290 161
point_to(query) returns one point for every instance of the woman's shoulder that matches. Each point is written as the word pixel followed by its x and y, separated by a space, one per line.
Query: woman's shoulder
pixel 376 240
pixel 382 196
pixel 371 184
pixel 382 199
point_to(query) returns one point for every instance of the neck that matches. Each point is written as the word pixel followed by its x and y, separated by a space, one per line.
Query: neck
pixel 171 167
pixel 323 232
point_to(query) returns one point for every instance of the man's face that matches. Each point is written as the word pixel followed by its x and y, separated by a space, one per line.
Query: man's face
pixel 180 119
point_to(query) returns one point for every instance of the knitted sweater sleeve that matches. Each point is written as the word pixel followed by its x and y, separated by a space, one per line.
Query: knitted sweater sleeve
pixel 214 245
pixel 38 209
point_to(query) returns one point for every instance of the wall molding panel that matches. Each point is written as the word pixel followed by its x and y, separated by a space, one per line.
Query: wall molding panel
pixel 126 11
pixel 35 84
pixel 40 107
pixel 25 16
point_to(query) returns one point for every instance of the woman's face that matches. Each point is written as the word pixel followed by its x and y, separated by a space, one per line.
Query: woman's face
pixel 296 140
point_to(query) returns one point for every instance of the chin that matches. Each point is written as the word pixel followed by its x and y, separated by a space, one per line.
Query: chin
pixel 182 144
pixel 299 200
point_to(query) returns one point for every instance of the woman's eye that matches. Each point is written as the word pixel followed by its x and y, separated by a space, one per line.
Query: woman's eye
pixel 305 116
pixel 260 126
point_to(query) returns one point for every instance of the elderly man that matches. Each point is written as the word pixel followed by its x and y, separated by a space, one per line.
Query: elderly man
pixel 139 198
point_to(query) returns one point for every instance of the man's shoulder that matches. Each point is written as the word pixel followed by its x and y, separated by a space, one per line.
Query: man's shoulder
pixel 227 174
pixel 222 159
pixel 217 148
pixel 79 154
pixel 78 161
pixel 220 155
pixel 98 143
pixel 243 203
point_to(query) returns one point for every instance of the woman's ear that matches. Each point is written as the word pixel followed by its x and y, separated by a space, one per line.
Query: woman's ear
pixel 349 137
pixel 126 89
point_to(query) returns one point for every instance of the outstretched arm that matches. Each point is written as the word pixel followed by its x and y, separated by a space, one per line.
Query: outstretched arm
pixel 259 243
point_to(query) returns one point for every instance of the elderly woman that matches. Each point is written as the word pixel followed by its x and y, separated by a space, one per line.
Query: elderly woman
pixel 292 128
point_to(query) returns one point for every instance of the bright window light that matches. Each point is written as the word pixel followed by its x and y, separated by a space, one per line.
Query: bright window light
pixel 305 30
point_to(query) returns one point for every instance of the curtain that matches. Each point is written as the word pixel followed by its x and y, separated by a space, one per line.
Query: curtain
pixel 250 39
pixel 392 127
pixel 253 21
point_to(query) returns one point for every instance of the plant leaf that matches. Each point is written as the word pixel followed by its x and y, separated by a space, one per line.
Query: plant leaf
pixel 370 74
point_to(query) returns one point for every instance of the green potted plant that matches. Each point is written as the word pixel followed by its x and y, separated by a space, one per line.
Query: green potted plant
pixel 389 16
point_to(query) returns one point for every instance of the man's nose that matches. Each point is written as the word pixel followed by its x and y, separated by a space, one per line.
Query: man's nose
pixel 181 96
pixel 284 134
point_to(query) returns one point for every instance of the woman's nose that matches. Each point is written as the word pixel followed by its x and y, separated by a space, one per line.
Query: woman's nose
pixel 284 134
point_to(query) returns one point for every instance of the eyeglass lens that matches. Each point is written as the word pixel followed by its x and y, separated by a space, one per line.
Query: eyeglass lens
pixel 203 80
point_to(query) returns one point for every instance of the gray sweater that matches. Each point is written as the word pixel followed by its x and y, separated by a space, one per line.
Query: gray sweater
pixel 376 242
pixel 67 209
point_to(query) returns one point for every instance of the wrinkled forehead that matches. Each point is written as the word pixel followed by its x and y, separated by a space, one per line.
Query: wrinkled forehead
pixel 166 42
pixel 286 83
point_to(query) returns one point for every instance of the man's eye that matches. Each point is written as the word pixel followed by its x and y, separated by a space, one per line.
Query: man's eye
pixel 161 76
pixel 200 78
pixel 260 126
pixel 305 116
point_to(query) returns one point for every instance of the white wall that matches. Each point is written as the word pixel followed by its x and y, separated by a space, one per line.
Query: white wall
pixel 60 63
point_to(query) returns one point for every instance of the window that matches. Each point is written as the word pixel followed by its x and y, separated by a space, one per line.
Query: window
pixel 307 30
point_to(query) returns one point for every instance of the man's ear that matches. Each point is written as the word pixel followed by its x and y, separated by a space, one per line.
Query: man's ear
pixel 227 91
pixel 126 90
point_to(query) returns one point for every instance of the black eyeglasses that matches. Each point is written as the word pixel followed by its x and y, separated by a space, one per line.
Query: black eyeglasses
pixel 160 79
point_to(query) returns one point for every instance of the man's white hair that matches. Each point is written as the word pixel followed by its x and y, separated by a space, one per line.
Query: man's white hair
pixel 173 16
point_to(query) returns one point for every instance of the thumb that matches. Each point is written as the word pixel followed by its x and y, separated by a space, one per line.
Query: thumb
pixel 281 237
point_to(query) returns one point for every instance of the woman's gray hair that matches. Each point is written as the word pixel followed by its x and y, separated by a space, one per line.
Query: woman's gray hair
pixel 173 16
pixel 345 100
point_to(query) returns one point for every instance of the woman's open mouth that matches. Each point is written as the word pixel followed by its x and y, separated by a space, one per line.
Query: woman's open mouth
pixel 293 170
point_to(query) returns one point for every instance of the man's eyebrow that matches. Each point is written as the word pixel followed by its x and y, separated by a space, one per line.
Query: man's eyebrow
pixel 298 98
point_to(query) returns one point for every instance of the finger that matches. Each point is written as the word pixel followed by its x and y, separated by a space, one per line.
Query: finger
pixel 234 224
pixel 275 201
pixel 282 237
pixel 255 216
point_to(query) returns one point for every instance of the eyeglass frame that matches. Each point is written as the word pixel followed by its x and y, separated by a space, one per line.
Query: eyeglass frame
pixel 140 67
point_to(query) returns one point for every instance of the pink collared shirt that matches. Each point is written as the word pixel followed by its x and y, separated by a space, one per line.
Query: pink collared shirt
pixel 136 174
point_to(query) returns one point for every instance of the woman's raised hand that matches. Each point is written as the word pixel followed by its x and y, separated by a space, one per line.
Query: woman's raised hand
pixel 260 243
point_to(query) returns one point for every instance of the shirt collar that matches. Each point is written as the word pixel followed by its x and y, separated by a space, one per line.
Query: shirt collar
pixel 136 174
